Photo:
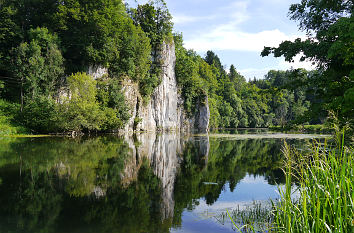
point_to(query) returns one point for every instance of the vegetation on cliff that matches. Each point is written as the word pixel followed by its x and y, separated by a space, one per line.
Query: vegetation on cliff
pixel 47 46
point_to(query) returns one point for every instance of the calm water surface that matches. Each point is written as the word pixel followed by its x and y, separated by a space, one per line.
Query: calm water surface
pixel 146 183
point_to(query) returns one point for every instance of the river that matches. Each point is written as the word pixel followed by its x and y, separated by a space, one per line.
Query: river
pixel 139 183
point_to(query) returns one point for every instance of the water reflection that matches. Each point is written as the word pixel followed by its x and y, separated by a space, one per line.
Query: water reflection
pixel 142 183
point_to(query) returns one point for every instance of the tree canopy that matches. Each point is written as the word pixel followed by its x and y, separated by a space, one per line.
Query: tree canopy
pixel 48 46
pixel 330 29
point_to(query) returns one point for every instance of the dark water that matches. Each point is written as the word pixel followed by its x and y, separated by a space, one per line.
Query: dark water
pixel 147 183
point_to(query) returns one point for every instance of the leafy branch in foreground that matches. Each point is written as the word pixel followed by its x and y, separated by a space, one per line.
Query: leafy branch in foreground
pixel 329 26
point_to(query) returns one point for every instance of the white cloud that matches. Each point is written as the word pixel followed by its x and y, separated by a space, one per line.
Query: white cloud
pixel 281 65
pixel 296 64
pixel 227 37
pixel 236 12
pixel 182 19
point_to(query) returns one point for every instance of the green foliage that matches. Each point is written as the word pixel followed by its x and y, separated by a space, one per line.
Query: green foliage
pixel 80 108
pixel 93 26
pixel 326 191
pixel 193 86
pixel 255 217
pixel 10 32
pixel 9 123
pixel 215 117
pixel 112 101
pixel 290 95
pixel 86 107
pixel 36 36
pixel 91 33
pixel 329 25
pixel 40 114
pixel 133 56
pixel 137 120
pixel 155 20
pixel 148 85
pixel 38 65
pixel 233 102
pixel 2 87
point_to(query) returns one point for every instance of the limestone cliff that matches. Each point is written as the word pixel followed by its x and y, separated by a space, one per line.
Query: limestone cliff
pixel 165 110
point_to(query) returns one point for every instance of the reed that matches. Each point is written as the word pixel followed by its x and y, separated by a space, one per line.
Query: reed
pixel 325 183
pixel 255 217
pixel 322 201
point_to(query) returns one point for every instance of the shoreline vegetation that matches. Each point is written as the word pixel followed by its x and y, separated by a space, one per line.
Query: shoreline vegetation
pixel 324 177
pixel 272 132
pixel 320 128
pixel 55 76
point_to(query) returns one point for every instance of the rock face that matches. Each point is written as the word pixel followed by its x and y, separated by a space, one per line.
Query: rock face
pixel 97 71
pixel 202 117
pixel 165 110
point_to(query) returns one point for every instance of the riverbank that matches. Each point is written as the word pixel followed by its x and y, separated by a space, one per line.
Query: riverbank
pixel 324 203
pixel 326 187
pixel 322 129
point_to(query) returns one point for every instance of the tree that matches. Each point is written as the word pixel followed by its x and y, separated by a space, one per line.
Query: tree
pixel 80 109
pixel 112 103
pixel 212 59
pixel 187 69
pixel 329 26
pixel 155 20
pixel 94 27
pixel 133 58
pixel 10 33
pixel 38 64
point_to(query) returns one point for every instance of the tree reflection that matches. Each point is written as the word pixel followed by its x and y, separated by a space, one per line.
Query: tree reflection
pixel 111 184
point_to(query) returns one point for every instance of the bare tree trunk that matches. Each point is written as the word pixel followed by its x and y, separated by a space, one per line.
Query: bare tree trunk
pixel 21 94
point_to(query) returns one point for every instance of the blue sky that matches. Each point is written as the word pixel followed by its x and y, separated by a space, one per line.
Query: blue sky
pixel 236 30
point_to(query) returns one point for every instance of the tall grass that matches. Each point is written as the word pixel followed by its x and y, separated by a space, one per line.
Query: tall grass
pixel 323 199
pixel 255 217
pixel 325 179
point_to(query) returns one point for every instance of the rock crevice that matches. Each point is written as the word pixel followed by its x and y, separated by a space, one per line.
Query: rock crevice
pixel 164 111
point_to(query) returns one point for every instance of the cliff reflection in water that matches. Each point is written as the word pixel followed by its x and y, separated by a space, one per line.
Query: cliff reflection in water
pixel 110 184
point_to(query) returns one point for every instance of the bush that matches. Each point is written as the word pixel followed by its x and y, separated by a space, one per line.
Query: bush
pixel 40 115
pixel 8 115
pixel 80 109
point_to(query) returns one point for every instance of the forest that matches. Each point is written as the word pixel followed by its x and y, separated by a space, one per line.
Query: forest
pixel 47 47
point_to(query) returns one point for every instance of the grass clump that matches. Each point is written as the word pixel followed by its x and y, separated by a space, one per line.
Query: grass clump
pixel 255 217
pixel 325 179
